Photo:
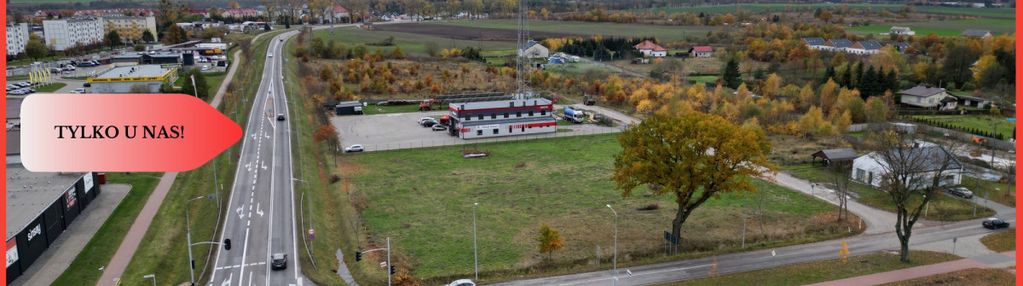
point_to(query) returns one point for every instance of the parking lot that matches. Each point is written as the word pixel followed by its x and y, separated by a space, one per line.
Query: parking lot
pixel 400 131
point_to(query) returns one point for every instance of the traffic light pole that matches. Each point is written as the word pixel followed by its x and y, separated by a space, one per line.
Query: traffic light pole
pixel 390 268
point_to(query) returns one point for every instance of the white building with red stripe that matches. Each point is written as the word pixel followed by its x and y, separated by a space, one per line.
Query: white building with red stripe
pixel 484 119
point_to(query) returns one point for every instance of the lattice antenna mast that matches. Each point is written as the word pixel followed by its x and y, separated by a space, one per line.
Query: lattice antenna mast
pixel 523 38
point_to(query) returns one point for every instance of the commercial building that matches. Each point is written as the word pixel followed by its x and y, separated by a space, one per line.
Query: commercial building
pixel 130 79
pixel 471 120
pixel 348 108
pixel 130 29
pixel 17 37
pixel 66 33
pixel 40 206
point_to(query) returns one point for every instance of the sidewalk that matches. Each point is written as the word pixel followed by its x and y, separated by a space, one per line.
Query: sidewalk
pixel 994 260
pixel 52 263
pixel 874 220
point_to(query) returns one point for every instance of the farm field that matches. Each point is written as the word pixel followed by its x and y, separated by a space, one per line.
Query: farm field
pixel 410 43
pixel 1004 13
pixel 942 28
pixel 662 33
pixel 978 122
pixel 562 182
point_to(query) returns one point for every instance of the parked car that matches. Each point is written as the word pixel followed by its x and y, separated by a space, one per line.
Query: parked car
pixel 205 68
pixel 439 127
pixel 78 90
pixel 961 192
pixel 354 148
pixel 421 120
pixel 462 282
pixel 995 223
pixel 429 123
pixel 278 261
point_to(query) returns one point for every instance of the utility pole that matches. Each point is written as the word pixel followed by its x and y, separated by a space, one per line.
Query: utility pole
pixel 475 247
pixel 614 261
pixel 389 261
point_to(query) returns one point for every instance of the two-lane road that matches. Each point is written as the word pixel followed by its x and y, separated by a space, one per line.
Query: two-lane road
pixel 261 215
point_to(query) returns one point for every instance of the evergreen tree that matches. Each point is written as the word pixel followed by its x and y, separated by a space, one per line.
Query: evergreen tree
pixel 829 73
pixel 731 76
pixel 846 76
pixel 857 75
pixel 868 83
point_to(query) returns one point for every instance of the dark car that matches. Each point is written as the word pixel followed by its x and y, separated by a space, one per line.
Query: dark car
pixel 278 261
pixel 280 117
pixel 995 223
pixel 960 192
pixel 429 123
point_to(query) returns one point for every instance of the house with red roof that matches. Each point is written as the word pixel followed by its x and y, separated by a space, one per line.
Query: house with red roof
pixel 650 49
pixel 701 51
pixel 337 13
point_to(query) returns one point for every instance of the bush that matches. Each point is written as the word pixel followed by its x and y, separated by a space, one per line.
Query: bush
pixel 650 207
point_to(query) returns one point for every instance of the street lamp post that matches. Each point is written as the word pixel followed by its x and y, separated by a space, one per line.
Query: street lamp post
pixel 150 277
pixel 188 235
pixel 614 261
pixel 475 246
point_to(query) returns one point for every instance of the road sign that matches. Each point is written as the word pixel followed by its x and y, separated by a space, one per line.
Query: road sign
pixel 312 234
pixel 670 238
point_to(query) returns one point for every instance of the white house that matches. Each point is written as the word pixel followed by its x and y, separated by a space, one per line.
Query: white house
pixel 534 50
pixel 65 33
pixel 928 97
pixel 701 52
pixel 815 43
pixel 901 31
pixel 17 37
pixel 927 157
pixel 650 49
pixel 868 47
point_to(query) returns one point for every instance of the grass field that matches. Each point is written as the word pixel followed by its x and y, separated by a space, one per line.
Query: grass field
pixel 381 109
pixel 563 182
pixel 99 250
pixel 411 44
pixel 662 33
pixel 978 122
pixel 942 208
pixel 1004 13
pixel 163 248
pixel 808 273
pixel 52 87
pixel 703 78
pixel 972 276
pixel 998 192
pixel 942 28
pixel 1001 241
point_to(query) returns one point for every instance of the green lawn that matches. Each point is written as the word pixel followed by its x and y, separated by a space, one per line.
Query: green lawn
pixel 380 109
pixel 581 68
pixel 52 87
pixel 1001 241
pixel 978 122
pixel 703 78
pixel 213 81
pixel 411 44
pixel 995 191
pixel 84 270
pixel 585 29
pixel 163 248
pixel 942 28
pixel 972 276
pixel 563 182
pixel 1004 13
pixel 942 207
pixel 814 272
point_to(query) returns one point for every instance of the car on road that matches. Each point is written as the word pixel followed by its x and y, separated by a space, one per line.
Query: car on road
pixel 961 192
pixel 462 282
pixel 438 127
pixel 269 55
pixel 429 123
pixel 280 117
pixel 354 148
pixel 278 261
pixel 78 90
pixel 994 223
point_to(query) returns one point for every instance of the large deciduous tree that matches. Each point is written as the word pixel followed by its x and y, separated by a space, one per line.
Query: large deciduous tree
pixel 691 155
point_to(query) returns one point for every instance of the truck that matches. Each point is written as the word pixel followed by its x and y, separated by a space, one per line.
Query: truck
pixel 574 115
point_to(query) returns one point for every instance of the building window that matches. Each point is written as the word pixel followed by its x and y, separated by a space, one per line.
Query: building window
pixel 518 114
pixel 481 116
pixel 493 116
pixel 543 112
pixel 479 132
pixel 505 115
pixel 530 113
pixel 495 130
pixel 509 129
pixel 511 104
pixel 523 128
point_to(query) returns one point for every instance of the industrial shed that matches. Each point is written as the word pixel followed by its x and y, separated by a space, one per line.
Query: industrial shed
pixel 348 108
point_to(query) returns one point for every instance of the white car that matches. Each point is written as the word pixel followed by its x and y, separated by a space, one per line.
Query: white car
pixel 205 68
pixel 269 55
pixel 354 148
pixel 78 90
pixel 462 282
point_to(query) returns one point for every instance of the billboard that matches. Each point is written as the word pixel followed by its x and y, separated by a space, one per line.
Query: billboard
pixel 12 252
pixel 88 181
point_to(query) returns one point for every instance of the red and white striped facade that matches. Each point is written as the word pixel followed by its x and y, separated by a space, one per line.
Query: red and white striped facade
pixel 485 119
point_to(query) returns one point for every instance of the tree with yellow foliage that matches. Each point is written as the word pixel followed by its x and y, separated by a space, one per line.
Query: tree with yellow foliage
pixel 771 85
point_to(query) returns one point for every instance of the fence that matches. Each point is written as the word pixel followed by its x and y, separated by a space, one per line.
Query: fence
pixel 426 143
pixel 996 143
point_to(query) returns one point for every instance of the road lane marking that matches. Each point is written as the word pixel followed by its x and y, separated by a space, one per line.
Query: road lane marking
pixel 258 210
pixel 245 250
pixel 228 281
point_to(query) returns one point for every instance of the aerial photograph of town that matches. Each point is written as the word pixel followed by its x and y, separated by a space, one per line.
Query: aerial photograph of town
pixel 523 142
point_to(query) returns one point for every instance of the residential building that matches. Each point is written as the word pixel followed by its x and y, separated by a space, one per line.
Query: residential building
pixel 901 31
pixel 650 49
pixel 241 13
pixel 867 47
pixel 483 119
pixel 701 51
pixel 338 14
pixel 926 160
pixel 815 43
pixel 534 50
pixel 902 46
pixel 129 79
pixel 973 101
pixel 838 45
pixel 17 37
pixel 977 33
pixel 66 33
pixel 130 29
pixel 928 97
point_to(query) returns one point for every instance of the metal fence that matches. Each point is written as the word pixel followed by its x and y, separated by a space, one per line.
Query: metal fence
pixel 426 143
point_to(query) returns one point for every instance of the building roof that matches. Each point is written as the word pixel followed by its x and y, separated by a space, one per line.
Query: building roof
pixel 340 9
pixel 901 29
pixel 870 45
pixel 530 44
pixel 703 49
pixel 348 104
pixel 30 193
pixel 902 45
pixel 976 32
pixel 967 97
pixel 922 91
pixel 649 45
pixel 815 41
pixel 931 157
pixel 134 72
pixel 841 154
pixel 841 43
